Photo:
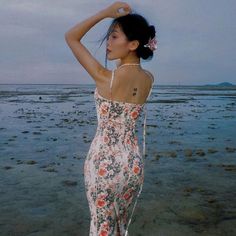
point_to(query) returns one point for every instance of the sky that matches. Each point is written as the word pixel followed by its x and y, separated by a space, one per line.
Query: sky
pixel 196 40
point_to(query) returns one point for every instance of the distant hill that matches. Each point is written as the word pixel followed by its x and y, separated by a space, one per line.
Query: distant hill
pixel 221 84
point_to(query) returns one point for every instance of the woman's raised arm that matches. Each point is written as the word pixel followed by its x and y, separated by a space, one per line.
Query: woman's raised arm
pixel 74 35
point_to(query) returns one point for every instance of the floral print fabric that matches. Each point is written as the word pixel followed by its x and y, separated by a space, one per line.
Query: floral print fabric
pixel 113 168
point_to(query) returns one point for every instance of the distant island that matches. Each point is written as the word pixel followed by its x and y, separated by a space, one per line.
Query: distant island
pixel 221 84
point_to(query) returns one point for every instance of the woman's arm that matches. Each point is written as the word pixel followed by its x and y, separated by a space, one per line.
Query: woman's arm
pixel 74 35
pixel 80 29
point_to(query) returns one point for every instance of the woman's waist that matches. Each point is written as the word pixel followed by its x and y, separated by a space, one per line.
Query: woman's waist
pixel 113 137
pixel 116 124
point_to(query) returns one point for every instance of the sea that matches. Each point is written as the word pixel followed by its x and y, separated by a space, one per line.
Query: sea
pixel 190 162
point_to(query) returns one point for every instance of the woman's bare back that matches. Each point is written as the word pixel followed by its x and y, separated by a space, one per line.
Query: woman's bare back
pixel 131 84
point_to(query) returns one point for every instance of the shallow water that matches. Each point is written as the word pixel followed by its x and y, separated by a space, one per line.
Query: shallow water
pixel 190 166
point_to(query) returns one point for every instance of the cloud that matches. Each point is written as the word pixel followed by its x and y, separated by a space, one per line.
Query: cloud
pixel 196 39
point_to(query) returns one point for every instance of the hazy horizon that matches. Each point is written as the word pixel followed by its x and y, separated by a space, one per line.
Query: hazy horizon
pixel 192 85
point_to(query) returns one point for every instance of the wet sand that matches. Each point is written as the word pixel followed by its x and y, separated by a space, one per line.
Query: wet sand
pixel 190 166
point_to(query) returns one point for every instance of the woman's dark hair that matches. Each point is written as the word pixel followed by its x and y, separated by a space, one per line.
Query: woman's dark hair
pixel 135 27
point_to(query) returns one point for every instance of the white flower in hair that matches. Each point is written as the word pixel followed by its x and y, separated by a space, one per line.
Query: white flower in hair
pixel 152 44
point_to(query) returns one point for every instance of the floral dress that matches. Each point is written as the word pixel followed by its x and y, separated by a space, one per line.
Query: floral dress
pixel 114 167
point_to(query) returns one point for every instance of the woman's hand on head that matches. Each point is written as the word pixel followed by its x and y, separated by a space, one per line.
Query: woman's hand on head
pixel 118 9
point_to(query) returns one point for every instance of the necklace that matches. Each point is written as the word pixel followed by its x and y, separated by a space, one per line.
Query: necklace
pixel 129 64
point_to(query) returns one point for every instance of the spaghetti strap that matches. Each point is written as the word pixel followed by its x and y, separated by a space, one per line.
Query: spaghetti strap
pixel 145 119
pixel 112 77
pixel 145 115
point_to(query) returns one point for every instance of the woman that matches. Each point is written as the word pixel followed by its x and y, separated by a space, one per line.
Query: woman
pixel 114 167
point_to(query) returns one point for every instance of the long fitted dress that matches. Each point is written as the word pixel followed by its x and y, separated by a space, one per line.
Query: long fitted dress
pixel 114 166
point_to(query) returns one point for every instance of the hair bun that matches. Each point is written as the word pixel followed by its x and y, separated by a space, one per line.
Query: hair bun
pixel 136 27
pixel 152 31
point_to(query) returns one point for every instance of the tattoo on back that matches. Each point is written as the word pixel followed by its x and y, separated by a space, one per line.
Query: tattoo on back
pixel 135 90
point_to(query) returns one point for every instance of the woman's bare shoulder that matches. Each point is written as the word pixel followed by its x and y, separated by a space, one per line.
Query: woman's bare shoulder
pixel 105 76
pixel 150 75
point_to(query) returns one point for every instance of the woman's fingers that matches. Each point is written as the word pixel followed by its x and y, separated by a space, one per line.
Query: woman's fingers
pixel 118 9
pixel 124 9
